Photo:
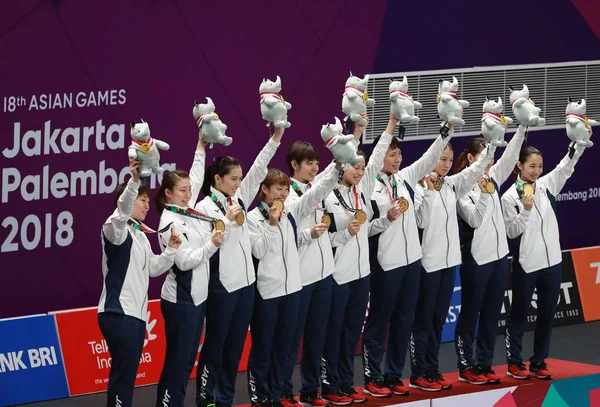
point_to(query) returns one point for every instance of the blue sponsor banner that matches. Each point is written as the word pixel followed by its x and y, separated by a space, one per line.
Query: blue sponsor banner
pixel 453 311
pixel 31 364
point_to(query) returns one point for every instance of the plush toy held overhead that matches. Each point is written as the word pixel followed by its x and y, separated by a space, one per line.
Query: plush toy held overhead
pixel 213 129
pixel 450 108
pixel 272 105
pixel 577 123
pixel 342 147
pixel 144 149
pixel 493 123
pixel 356 99
pixel 403 105
pixel 524 109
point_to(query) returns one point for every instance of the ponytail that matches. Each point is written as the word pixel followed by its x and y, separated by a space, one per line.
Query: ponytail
pixel 170 179
pixel 222 166
pixel 474 146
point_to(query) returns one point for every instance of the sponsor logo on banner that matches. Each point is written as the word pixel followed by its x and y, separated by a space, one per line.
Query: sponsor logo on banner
pixel 31 364
pixel 453 310
pixel 87 358
pixel 568 311
pixel 587 270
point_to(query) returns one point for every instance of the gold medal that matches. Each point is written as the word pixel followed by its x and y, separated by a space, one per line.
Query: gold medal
pixel 219 225
pixel 437 99
pixel 586 122
pixel 360 216
pixel 490 188
pixel 326 220
pixel 240 218
pixel 278 204
pixel 531 101
pixel 403 204
pixel 528 189
pixel 216 116
pixel 145 147
pixel 365 96
pixel 437 184
pixel 503 120
pixel 173 232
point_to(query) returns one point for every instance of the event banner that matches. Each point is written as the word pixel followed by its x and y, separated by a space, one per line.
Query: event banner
pixel 568 311
pixel 453 310
pixel 587 270
pixel 87 357
pixel 31 363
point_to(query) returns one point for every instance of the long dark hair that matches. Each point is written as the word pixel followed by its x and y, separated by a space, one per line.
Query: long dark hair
pixel 169 181
pixel 475 146
pixel 222 166
pixel 525 153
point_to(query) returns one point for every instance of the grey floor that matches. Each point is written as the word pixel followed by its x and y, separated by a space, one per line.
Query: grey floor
pixel 577 343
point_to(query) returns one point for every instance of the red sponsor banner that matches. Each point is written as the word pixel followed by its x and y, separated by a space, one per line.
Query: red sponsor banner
pixel 86 356
pixel 587 269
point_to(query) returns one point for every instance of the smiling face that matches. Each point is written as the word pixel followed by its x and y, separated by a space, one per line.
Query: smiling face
pixel 392 161
pixel 229 183
pixel 141 206
pixel 532 168
pixel 306 170
pixel 180 194
pixel 275 191
pixel 445 162
pixel 353 175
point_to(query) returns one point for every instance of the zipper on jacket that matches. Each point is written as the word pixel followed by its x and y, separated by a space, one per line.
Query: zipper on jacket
pixel 321 251
pixel 357 241
pixel 447 236
pixel 543 237
pixel 405 241
pixel 496 229
pixel 283 257
pixel 245 263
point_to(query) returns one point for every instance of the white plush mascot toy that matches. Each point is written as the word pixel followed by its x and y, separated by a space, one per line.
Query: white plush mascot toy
pixel 524 109
pixel 403 105
pixel 144 149
pixel 342 147
pixel 272 105
pixel 356 99
pixel 577 123
pixel 450 108
pixel 493 123
pixel 213 129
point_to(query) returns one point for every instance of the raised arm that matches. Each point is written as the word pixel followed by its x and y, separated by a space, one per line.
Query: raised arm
pixel 116 230
pixel 467 178
pixel 504 167
pixel 257 173
pixel 376 161
pixel 556 179
pixel 302 207
pixel 197 171
pixel 428 161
